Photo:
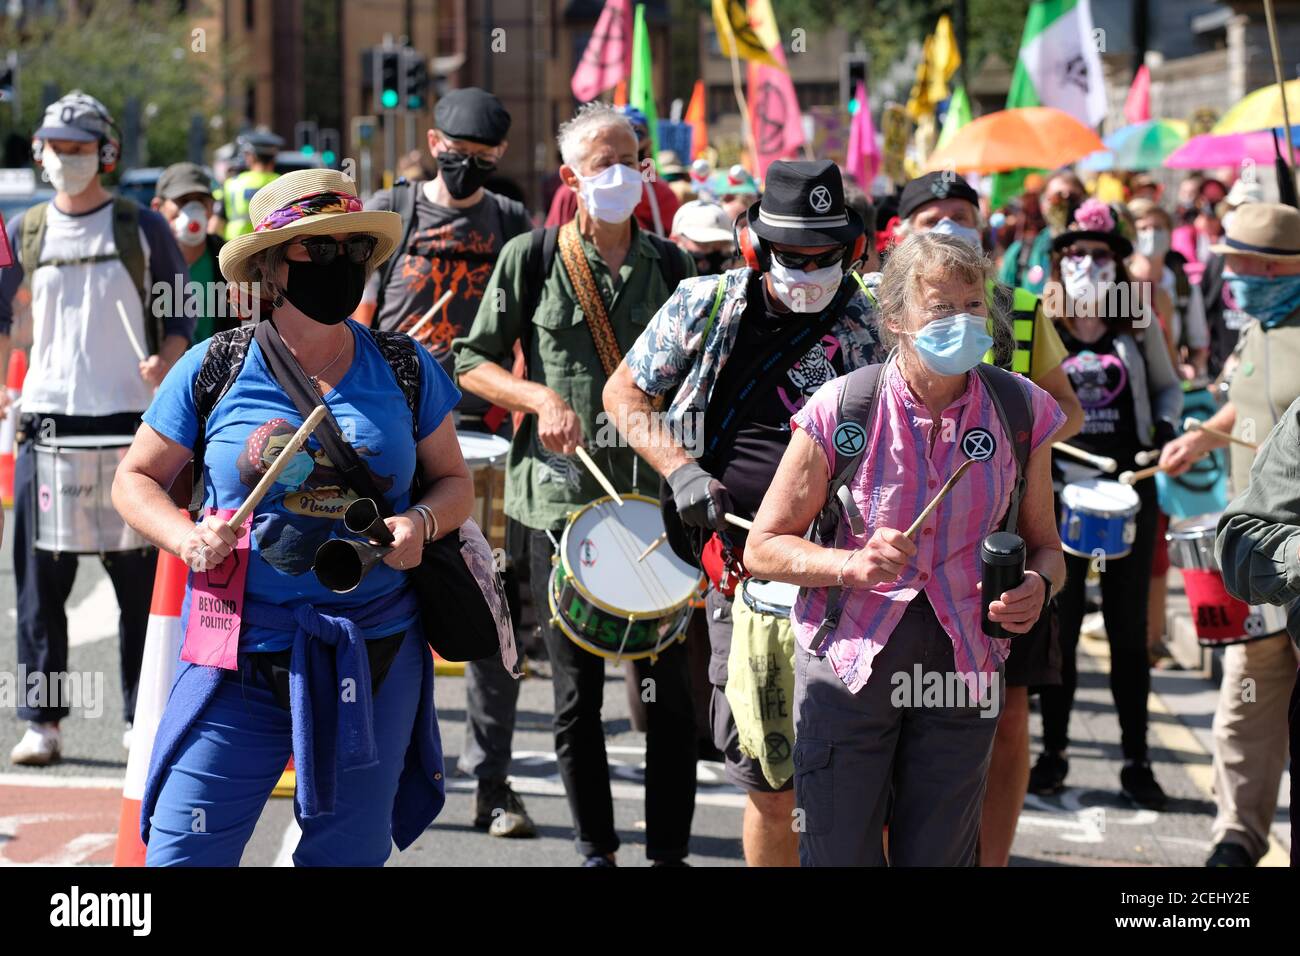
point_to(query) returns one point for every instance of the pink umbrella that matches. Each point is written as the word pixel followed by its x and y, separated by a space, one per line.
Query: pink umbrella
pixel 1201 152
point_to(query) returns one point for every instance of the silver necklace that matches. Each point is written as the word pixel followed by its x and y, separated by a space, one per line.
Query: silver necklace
pixel 315 379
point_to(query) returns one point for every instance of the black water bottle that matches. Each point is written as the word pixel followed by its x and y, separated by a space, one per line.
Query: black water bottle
pixel 1002 556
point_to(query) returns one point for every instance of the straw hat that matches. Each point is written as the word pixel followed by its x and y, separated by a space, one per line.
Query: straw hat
pixel 1264 230
pixel 307 202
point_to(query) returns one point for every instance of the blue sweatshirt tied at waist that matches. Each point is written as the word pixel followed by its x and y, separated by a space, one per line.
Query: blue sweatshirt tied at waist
pixel 329 683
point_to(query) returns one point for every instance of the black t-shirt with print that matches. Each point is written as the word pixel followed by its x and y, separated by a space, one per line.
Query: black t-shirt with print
pixel 748 466
pixel 447 249
pixel 1105 390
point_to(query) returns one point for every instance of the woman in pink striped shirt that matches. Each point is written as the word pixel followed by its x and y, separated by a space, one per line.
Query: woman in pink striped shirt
pixel 896 705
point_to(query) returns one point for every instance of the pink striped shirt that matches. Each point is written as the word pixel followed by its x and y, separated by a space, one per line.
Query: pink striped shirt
pixel 909 456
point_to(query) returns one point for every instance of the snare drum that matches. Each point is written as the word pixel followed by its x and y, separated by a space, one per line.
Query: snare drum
pixel 769 597
pixel 1098 518
pixel 605 600
pixel 1219 617
pixel 485 455
pixel 73 500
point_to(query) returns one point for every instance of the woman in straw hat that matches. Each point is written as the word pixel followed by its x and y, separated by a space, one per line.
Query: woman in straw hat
pixel 361 726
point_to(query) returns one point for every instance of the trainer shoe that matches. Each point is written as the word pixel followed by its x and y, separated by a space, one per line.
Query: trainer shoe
pixel 1230 855
pixel 599 861
pixel 500 811
pixel 1048 776
pixel 40 746
pixel 1138 783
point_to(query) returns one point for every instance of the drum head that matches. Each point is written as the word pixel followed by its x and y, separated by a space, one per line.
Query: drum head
pixel 479 450
pixel 771 593
pixel 600 550
pixel 1202 526
pixel 88 441
pixel 1099 496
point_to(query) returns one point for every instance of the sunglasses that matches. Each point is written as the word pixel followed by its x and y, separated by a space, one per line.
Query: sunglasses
pixel 451 158
pixel 323 250
pixel 800 260
pixel 1098 255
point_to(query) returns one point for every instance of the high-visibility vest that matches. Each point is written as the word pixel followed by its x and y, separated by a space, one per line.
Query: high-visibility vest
pixel 235 195
pixel 1022 310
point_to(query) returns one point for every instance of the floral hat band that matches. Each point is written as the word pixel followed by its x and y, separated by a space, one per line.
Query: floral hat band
pixel 311 205
pixel 1094 219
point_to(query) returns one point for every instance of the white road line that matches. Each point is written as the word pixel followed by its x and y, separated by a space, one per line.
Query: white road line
pixel 288 843
pixel 95 616
pixel 40 780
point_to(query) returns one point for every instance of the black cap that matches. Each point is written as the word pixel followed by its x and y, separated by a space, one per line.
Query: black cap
pixel 803 205
pixel 472 114
pixel 932 187
pixel 183 179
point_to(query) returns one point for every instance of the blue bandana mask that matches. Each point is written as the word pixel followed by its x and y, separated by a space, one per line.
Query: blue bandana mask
pixel 954 345
pixel 1268 299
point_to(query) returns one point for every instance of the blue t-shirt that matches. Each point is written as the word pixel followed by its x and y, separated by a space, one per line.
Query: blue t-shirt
pixel 247 429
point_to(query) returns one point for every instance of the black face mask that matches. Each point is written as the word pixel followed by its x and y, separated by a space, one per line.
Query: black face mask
pixel 713 263
pixel 463 175
pixel 327 293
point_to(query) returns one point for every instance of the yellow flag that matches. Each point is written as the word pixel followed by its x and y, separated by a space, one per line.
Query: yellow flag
pixel 939 61
pixel 742 32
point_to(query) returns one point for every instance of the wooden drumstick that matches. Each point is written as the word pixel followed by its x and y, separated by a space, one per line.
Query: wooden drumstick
pixel 425 319
pixel 934 502
pixel 653 544
pixel 279 465
pixel 1147 457
pixel 738 521
pixel 130 332
pixel 598 474
pixel 1108 465
pixel 1192 425
pixel 1132 477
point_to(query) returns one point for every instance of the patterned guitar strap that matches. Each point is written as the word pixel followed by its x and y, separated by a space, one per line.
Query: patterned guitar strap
pixel 589 297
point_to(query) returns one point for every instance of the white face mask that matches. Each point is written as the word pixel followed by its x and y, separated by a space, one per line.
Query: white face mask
pixel 191 224
pixel 805 291
pixel 1152 242
pixel 1083 277
pixel 946 227
pixel 612 194
pixel 69 174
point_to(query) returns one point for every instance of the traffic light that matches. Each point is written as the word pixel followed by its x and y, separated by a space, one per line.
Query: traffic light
pixel 415 76
pixel 390 78
pixel 329 146
pixel 853 70
pixel 306 137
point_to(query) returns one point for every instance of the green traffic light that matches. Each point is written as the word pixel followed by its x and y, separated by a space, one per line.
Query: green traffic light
pixel 308 149
pixel 328 157
pixel 389 99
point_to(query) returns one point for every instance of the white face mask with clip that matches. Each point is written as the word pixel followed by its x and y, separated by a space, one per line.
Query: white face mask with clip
pixel 70 173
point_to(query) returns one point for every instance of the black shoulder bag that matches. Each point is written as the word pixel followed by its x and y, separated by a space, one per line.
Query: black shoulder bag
pixel 455 615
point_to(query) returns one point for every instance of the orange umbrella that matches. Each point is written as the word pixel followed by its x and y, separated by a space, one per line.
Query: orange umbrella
pixel 1037 137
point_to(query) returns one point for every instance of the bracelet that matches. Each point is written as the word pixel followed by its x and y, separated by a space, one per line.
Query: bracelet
pixel 424 521
pixel 839 578
pixel 430 519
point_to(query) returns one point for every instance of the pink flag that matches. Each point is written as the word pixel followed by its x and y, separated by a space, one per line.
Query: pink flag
pixel 1137 108
pixel 863 160
pixel 774 112
pixel 607 60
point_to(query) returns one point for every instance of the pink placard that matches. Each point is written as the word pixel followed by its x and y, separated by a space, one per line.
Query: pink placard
pixel 217 605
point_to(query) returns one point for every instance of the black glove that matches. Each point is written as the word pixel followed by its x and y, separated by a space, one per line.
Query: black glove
pixel 701 499
pixel 1166 431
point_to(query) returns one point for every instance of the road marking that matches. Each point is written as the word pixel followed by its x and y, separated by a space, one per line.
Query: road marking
pixel 95 617
pixel 288 843
pixel 39 780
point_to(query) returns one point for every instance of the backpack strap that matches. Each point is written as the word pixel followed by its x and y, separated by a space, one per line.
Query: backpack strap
pixel 1016 414
pixel 31 238
pixel 669 264
pixel 862 284
pixel 537 266
pixel 398 350
pixel 126 237
pixel 402 203
pixel 858 400
pixel 718 295
pixel 221 365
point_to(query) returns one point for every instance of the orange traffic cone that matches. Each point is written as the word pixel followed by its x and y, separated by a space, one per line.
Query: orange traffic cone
pixel 162 648
pixel 8 425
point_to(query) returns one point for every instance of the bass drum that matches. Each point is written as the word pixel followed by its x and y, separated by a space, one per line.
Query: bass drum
pixel 605 600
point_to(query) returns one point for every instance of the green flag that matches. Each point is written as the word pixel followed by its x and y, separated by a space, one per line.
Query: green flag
pixel 958 116
pixel 641 86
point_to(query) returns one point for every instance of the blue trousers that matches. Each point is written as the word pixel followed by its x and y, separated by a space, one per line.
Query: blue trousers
pixel 230 760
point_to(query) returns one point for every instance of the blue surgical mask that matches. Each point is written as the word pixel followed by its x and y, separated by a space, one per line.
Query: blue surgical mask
pixel 954 345
pixel 1268 299
pixel 946 227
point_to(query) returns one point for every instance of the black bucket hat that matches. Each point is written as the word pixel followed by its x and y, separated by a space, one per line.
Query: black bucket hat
pixel 803 205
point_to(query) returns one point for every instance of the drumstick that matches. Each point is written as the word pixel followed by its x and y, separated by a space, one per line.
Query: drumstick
pixel 934 502
pixel 598 474
pixel 653 544
pixel 1147 457
pixel 424 319
pixel 1132 477
pixel 1107 465
pixel 130 332
pixel 738 521
pixel 1192 425
pixel 279 465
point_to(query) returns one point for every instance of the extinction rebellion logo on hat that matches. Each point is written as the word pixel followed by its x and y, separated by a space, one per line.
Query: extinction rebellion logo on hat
pixel 820 199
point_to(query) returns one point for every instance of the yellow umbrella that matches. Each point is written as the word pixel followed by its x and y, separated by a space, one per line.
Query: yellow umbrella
pixel 1262 109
